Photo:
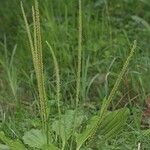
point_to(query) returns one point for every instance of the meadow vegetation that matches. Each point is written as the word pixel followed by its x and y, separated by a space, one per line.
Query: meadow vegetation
pixel 74 75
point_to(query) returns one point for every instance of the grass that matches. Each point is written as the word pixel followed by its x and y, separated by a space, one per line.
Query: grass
pixel 102 32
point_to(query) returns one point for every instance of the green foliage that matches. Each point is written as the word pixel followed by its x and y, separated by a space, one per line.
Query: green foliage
pixel 142 21
pixel 37 139
pixel 49 147
pixel 146 132
pixel 58 85
pixel 78 80
pixel 103 110
pixel 36 49
pixel 111 124
pixel 80 138
pixel 4 147
pixel 11 144
pixel 10 71
pixel 65 126
pixel 83 50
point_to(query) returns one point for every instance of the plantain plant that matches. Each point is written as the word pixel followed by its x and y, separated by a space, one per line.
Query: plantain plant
pixel 97 122
pixel 36 49
pixel 105 124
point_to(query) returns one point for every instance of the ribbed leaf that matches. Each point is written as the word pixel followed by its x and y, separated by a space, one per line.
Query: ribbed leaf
pixel 110 125
pixel 4 147
pixel 50 147
pixel 12 144
pixel 80 138
pixel 65 126
pixel 35 138
pixel 113 123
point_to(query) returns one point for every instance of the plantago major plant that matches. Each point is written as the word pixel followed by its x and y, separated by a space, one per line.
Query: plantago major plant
pixel 36 49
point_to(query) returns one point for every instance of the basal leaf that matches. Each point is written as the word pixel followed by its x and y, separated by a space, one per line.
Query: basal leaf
pixel 65 126
pixel 80 138
pixel 50 147
pixel 109 126
pixel 4 147
pixel 12 144
pixel 113 123
pixel 35 138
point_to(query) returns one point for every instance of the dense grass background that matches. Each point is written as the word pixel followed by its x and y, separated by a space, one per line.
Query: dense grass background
pixel 109 28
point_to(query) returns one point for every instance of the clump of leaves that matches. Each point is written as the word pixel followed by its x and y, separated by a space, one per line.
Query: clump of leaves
pixel 89 133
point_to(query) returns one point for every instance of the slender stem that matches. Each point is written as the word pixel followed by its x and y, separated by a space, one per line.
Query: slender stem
pixel 79 55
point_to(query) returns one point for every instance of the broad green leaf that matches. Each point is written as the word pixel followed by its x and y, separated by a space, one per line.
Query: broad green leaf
pixel 81 138
pixel 109 126
pixel 113 123
pixel 65 126
pixel 4 147
pixel 35 138
pixel 12 144
pixel 92 125
pixel 90 132
pixel 50 147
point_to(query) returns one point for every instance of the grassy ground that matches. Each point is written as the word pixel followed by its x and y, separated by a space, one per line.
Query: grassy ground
pixel 109 29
